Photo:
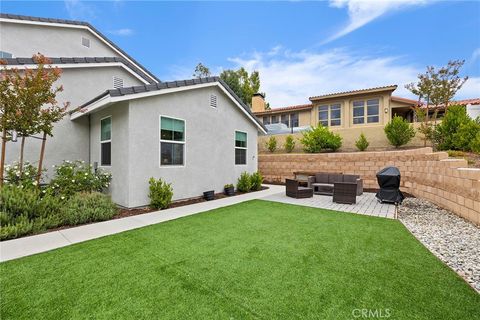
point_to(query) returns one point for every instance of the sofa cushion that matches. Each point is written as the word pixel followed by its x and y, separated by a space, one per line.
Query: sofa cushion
pixel 350 178
pixel 321 177
pixel 335 177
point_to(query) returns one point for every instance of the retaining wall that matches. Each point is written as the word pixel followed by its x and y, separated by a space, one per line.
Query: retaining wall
pixel 447 182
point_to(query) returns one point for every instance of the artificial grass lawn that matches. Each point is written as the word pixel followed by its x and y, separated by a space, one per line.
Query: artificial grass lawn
pixel 257 259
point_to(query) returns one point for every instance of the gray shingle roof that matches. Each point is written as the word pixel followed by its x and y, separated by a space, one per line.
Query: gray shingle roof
pixel 79 23
pixel 172 84
pixel 73 60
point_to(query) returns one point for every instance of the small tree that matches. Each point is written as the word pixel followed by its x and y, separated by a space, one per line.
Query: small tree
pixel 436 87
pixel 362 142
pixel 271 144
pixel 289 144
pixel 399 132
pixel 244 85
pixel 201 71
pixel 29 104
pixel 445 134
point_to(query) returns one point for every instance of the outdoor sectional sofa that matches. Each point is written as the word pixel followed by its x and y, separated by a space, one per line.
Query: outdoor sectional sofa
pixel 323 183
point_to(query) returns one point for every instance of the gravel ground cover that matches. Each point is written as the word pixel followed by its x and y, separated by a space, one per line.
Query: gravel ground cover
pixel 452 239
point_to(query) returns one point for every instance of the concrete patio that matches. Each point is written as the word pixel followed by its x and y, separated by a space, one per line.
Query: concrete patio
pixel 366 204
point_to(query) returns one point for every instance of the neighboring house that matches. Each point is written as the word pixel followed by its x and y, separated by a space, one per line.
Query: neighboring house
pixel 195 134
pixel 348 113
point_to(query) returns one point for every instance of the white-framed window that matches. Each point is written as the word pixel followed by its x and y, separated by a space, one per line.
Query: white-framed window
pixel 117 82
pixel 240 147
pixel 330 115
pixel 106 141
pixel 172 141
pixel 366 111
pixel 85 42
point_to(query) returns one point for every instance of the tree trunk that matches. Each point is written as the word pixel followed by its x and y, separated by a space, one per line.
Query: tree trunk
pixel 20 166
pixel 40 162
pixel 2 158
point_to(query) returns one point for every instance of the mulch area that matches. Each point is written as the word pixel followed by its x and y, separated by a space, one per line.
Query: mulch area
pixel 125 212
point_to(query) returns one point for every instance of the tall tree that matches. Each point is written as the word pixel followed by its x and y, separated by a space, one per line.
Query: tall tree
pixel 244 85
pixel 201 71
pixel 435 87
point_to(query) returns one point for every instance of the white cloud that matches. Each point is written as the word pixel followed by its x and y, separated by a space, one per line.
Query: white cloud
pixel 79 10
pixel 122 32
pixel 361 12
pixel 289 78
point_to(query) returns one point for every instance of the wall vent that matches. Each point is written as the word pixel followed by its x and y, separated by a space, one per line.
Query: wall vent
pixel 85 42
pixel 213 101
pixel 117 82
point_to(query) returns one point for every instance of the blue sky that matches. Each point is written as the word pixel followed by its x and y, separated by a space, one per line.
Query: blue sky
pixel 300 48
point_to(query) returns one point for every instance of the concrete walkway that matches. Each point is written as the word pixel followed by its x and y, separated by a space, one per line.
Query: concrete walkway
pixel 16 248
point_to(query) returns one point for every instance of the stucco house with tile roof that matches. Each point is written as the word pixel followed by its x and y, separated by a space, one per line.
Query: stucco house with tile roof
pixel 196 134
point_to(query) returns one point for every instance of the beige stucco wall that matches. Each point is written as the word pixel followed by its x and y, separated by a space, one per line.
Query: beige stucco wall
pixel 431 176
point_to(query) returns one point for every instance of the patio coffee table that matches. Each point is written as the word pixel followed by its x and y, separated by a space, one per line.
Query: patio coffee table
pixel 322 188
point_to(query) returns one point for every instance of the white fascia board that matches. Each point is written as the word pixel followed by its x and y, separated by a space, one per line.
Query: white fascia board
pixel 66 25
pixel 81 65
pixel 107 100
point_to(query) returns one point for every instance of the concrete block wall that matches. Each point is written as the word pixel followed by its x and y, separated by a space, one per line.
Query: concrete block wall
pixel 449 183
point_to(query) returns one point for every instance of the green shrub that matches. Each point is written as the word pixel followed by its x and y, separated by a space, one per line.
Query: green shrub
pixel 399 131
pixel 362 142
pixel 289 144
pixel 160 194
pixel 28 178
pixel 271 144
pixel 72 177
pixel 256 180
pixel 475 143
pixel 465 135
pixel 86 207
pixel 445 132
pixel 24 211
pixel 244 182
pixel 320 138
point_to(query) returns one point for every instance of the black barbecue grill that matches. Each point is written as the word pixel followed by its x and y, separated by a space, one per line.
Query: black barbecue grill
pixel 389 183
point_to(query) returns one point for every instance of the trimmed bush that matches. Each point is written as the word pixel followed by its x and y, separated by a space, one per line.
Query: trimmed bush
pixel 399 131
pixel 272 144
pixel 475 143
pixel 244 182
pixel 160 194
pixel 362 142
pixel 319 138
pixel 256 180
pixel 72 177
pixel 464 138
pixel 24 211
pixel 445 132
pixel 289 144
pixel 86 207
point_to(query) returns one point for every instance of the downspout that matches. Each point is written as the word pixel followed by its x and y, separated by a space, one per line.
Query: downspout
pixel 89 140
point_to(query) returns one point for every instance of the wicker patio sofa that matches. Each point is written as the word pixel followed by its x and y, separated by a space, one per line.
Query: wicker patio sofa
pixel 294 190
pixel 323 183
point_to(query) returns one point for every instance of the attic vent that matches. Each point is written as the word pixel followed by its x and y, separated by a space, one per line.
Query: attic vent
pixel 117 82
pixel 86 42
pixel 213 101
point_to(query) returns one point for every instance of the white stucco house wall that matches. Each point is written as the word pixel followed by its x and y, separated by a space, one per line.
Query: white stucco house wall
pixel 196 134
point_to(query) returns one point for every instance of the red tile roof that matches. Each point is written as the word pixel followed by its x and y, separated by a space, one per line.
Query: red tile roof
pixel 376 89
pixel 473 101
pixel 286 109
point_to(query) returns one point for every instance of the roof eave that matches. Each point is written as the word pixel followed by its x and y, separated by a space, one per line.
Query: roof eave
pixel 353 93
